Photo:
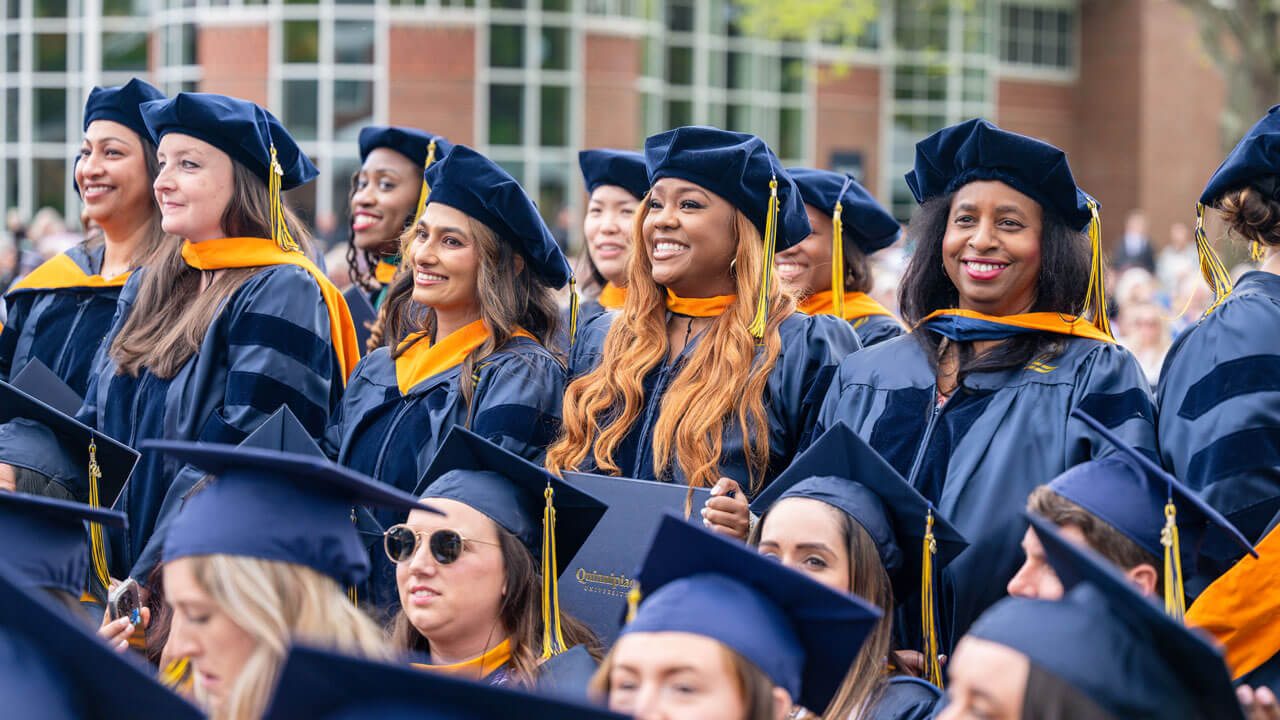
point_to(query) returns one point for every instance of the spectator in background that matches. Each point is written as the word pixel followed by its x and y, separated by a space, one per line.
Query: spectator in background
pixel 1177 258
pixel 1193 295
pixel 48 233
pixel 1135 286
pixel 1143 330
pixel 1135 248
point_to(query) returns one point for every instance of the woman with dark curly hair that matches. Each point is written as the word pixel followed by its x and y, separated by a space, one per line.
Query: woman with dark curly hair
pixel 1219 422
pixel 974 407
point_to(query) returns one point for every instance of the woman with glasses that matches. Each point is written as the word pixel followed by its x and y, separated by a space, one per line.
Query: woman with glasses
pixel 466 334
pixel 476 601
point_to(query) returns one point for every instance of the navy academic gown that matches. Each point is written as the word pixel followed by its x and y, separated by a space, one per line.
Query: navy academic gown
pixel 1219 400
pixel 812 346
pixel 905 698
pixel 873 329
pixel 61 324
pixel 392 435
pixel 980 455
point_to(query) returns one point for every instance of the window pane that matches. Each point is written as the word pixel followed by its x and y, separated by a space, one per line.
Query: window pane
pixel 679 112
pixel 50 8
pixel 506 46
pixel 300 2
pixel 303 200
pixel 680 65
pixel 352 107
pixel 124 7
pixel 124 51
pixel 558 5
pixel 340 191
pixel 506 3
pixel 555 48
pixel 12 52
pixel 51 183
pixel 738 118
pixel 792 75
pixel 189 35
pixel 11 103
pixel 514 168
pixel 738 70
pixel 11 173
pixel 791 133
pixel 302 41
pixel 50 114
pixel 680 17
pixel 353 43
pixel 300 111
pixel 51 52
pixel 555 116
pixel 553 197
pixel 506 114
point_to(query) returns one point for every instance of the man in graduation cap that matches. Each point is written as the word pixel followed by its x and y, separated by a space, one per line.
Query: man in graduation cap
pixel 1133 513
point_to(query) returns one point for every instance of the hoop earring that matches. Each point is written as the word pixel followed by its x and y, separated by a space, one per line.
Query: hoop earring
pixel 733 267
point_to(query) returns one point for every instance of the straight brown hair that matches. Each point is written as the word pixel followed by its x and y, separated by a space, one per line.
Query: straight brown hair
pixel 171 315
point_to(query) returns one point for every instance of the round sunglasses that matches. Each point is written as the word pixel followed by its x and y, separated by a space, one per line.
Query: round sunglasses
pixel 446 546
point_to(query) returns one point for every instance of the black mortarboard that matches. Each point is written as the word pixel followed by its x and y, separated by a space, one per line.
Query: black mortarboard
pixel 410 142
pixel 863 219
pixel 46 544
pixel 802 634
pixel 121 104
pixel 623 168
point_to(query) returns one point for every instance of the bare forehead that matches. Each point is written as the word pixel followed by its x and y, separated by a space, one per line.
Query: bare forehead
pixel 177 142
pixel 994 194
pixel 105 130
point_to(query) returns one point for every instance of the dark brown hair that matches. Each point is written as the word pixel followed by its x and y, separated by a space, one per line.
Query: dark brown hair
pixel 521 614
pixel 1109 542
pixel 1251 216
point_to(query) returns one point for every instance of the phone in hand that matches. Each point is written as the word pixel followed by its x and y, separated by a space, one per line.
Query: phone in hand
pixel 126 601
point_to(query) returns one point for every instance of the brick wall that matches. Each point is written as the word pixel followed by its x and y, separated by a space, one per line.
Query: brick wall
pixel 234 59
pixel 432 80
pixel 611 101
pixel 848 118
pixel 1039 109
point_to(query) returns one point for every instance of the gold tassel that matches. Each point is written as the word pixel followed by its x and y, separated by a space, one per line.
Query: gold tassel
pixel 1211 266
pixel 279 228
pixel 573 309
pixel 1175 601
pixel 837 259
pixel 552 638
pixel 351 589
pixel 425 192
pixel 97 544
pixel 933 668
pixel 173 673
pixel 758 324
pixel 1095 297
pixel 1257 252
pixel 633 600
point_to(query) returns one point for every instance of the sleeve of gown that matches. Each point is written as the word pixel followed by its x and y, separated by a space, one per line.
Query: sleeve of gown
pixel 588 344
pixel 518 403
pixel 806 368
pixel 16 315
pixel 1111 386
pixel 279 352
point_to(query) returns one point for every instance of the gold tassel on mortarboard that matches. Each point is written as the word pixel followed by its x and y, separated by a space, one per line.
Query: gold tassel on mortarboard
pixel 425 192
pixel 552 639
pixel 761 320
pixel 932 668
pixel 97 544
pixel 1175 601
pixel 1095 297
pixel 1211 266
pixel 279 228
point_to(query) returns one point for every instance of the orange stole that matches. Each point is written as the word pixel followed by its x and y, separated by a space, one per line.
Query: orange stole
pixel 1045 321
pixel 475 668
pixel 612 297
pixel 699 307
pixel 856 305
pixel 260 252
pixel 423 360
pixel 1241 608
pixel 60 271
pixel 384 272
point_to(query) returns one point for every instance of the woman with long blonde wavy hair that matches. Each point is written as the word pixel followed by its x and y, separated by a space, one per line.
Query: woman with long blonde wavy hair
pixel 707 375
pixel 466 328
pixel 263 555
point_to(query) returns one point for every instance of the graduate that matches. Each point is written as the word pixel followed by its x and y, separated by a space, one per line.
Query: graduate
pixel 617 182
pixel 52 668
pixel 861 537
pixel 206 336
pixel 1127 509
pixel 707 376
pixel 721 633
pixel 324 685
pixel 60 312
pixel 261 555
pixel 477 584
pixel 468 332
pixel 1219 423
pixel 974 406
pixel 387 194
pixel 1103 652
pixel 829 270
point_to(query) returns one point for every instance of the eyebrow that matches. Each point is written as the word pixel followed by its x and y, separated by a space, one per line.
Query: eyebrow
pixel 383 171
pixel 814 546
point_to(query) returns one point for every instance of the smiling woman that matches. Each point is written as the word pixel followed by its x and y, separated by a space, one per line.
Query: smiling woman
pixel 57 313
pixel 974 407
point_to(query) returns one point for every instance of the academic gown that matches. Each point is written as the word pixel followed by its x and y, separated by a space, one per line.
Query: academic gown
pixel 59 315
pixel 872 321
pixel 811 348
pixel 1219 400
pixel 980 455
pixel 391 431
pixel 282 338
pixel 905 698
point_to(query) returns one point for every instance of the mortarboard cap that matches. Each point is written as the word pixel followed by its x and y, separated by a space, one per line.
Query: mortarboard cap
pixel 1255 162
pixel 623 168
pixel 36 379
pixel 518 496
pixel 473 184
pixel 594 583
pixel 1112 644
pixel 799 632
pixel 51 667
pixel 863 219
pixel 121 104
pixel 284 506
pixel 978 150
pixel 329 686
pixel 45 540
pixel 1141 500
pixel 410 142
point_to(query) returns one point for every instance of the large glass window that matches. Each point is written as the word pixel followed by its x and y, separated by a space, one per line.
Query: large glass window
pixel 49 8
pixel 302 41
pixel 51 52
pixel 506 114
pixel 353 42
pixel 124 51
pixel 12 52
pixel 1040 36
pixel 51 183
pixel 50 114
pixel 554 126
pixel 506 46
pixel 12 115
pixel 352 107
pixel 300 111
pixel 555 48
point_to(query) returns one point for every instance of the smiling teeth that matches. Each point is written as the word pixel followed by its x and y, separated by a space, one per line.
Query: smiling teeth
pixel 425 276
pixel 97 188
pixel 423 593
pixel 985 267
pixel 668 247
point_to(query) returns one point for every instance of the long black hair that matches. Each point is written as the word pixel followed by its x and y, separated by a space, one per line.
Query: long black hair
pixel 926 287
pixel 365 278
